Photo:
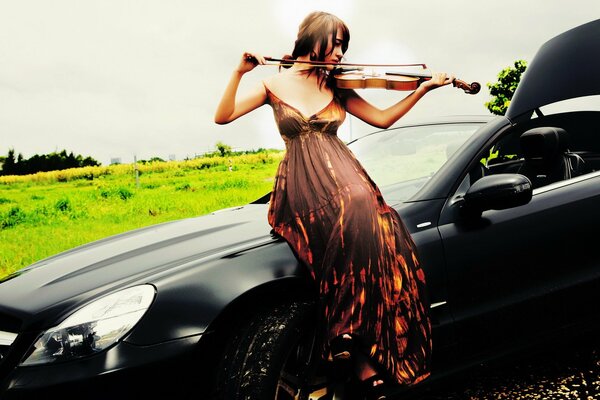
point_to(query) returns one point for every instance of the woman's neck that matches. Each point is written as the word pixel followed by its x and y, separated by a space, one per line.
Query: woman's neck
pixel 302 66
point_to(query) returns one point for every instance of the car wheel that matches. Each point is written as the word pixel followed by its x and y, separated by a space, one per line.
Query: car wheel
pixel 275 356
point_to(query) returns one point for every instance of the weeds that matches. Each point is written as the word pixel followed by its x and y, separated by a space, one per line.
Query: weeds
pixel 46 213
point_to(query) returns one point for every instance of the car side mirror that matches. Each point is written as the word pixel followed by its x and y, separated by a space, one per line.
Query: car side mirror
pixel 496 192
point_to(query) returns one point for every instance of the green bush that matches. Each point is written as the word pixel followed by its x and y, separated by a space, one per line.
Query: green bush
pixel 124 193
pixel 119 192
pixel 63 205
pixel 184 186
pixel 12 218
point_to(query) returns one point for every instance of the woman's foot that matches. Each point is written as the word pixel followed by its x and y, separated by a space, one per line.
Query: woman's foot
pixel 342 347
pixel 374 388
pixel 342 351
pixel 372 384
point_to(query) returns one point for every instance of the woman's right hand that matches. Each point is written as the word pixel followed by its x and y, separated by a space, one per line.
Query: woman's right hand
pixel 250 61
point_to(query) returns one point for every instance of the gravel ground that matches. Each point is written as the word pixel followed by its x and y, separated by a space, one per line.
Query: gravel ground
pixel 554 373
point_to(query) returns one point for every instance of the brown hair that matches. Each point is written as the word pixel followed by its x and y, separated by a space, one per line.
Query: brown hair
pixel 315 31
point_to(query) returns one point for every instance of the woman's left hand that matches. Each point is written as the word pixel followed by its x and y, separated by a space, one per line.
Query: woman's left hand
pixel 437 80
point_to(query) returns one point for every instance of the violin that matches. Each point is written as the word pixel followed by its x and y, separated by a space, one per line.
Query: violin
pixel 391 80
pixel 353 76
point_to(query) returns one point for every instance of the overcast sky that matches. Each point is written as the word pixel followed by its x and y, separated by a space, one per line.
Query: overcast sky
pixel 118 78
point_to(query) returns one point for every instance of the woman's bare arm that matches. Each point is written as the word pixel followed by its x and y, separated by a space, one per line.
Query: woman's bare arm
pixel 379 118
pixel 230 108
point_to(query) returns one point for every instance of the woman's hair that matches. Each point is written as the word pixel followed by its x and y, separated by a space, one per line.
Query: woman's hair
pixel 316 31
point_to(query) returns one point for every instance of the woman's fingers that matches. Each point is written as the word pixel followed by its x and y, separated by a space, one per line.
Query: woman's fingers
pixel 250 61
pixel 442 78
pixel 254 58
pixel 438 79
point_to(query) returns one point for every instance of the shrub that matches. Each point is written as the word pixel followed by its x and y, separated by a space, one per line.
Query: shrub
pixel 13 217
pixel 185 186
pixel 120 192
pixel 124 193
pixel 63 205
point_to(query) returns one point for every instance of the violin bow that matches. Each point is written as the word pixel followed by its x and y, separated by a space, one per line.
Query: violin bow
pixel 289 62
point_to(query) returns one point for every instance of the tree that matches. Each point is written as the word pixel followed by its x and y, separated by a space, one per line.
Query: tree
pixel 503 90
pixel 45 162
pixel 89 162
pixel 223 149
pixel 9 163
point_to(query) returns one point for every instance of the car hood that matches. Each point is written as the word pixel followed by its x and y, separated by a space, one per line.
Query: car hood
pixel 565 67
pixel 131 258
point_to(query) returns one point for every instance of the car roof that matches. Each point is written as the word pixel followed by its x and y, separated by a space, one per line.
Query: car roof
pixel 565 67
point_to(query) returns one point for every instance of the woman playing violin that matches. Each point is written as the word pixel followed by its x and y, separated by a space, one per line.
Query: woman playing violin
pixel 372 289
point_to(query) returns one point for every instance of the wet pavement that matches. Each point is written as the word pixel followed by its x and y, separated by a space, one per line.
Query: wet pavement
pixel 557 372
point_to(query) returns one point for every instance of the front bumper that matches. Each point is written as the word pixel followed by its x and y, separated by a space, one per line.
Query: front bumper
pixel 123 367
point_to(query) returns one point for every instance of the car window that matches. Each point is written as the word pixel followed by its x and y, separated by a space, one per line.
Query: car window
pixel 541 160
pixel 401 160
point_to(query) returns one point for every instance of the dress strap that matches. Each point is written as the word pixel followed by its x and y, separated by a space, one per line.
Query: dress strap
pixel 268 91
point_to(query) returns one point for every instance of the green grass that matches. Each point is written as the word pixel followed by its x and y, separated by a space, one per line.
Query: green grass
pixel 42 215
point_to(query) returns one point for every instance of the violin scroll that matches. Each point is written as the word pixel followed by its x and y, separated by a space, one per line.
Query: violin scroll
pixel 473 88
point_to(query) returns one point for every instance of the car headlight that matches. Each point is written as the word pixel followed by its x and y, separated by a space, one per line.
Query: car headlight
pixel 93 328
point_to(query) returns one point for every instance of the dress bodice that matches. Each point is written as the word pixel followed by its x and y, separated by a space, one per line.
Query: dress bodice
pixel 293 123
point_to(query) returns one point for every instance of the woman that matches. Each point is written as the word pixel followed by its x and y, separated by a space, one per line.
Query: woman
pixel 372 289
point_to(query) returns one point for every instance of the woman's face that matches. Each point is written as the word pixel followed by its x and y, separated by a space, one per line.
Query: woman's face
pixel 334 52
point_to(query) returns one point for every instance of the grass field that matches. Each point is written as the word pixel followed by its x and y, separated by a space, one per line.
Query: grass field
pixel 46 213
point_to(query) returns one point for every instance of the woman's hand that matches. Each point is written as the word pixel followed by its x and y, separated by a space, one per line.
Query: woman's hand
pixel 250 61
pixel 437 80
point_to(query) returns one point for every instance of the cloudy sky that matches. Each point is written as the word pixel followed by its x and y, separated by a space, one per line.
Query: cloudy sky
pixel 120 78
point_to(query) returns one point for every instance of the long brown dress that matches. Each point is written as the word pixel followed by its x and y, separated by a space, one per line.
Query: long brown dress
pixel 357 248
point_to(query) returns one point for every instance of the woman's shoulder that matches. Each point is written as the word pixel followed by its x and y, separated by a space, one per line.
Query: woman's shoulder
pixel 275 81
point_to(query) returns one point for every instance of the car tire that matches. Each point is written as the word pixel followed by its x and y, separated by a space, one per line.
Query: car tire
pixel 274 356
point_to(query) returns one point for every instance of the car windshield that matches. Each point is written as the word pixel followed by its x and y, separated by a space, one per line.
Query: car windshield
pixel 401 160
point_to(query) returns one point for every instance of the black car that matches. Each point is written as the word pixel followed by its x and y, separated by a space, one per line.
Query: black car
pixel 505 213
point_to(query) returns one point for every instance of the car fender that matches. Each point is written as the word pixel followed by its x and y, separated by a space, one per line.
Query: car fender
pixel 189 301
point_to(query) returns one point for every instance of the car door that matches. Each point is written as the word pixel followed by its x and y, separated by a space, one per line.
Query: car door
pixel 514 274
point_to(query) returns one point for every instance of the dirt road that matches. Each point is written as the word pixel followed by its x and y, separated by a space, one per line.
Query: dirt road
pixel 560 372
